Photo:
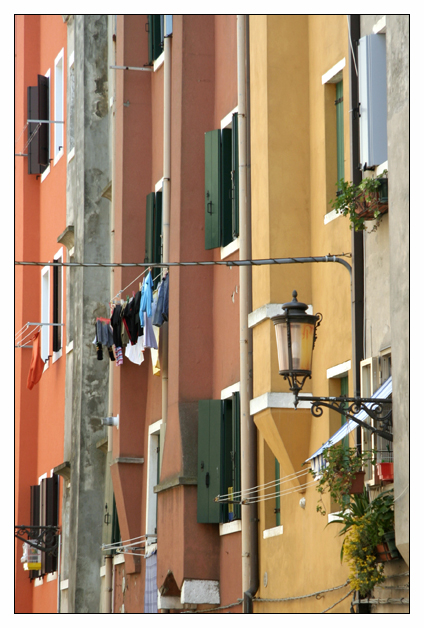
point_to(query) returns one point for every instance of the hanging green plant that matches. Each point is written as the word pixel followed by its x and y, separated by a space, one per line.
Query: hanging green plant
pixel 367 200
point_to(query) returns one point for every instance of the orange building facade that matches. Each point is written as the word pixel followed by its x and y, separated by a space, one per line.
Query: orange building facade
pixel 40 185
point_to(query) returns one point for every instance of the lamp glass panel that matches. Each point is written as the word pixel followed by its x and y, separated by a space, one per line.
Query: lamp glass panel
pixel 302 338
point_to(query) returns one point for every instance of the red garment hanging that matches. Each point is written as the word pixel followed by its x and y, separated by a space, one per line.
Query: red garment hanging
pixel 37 364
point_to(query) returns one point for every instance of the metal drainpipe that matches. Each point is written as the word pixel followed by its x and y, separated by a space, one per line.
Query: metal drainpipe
pixel 108 585
pixel 357 237
pixel 247 429
pixel 166 203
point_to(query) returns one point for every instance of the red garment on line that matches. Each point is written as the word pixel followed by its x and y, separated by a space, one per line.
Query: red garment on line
pixel 37 365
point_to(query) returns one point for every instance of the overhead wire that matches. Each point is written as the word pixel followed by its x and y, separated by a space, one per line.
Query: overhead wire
pixel 253 495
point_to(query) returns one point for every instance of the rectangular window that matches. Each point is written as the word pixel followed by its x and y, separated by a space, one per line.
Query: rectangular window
pixel 45 312
pixel 340 130
pixel 57 304
pixel 153 473
pixel 44 511
pixel 58 106
pixel 218 459
pixel 38 109
pixel 221 185
pixel 153 241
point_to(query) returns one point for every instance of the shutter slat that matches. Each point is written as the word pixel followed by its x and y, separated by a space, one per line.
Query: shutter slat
pixel 43 112
pixel 235 178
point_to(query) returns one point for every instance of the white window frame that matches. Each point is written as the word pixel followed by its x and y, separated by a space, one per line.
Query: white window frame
pixel 59 83
pixel 47 170
pixel 230 526
pixel 59 257
pixel 153 460
pixel 45 314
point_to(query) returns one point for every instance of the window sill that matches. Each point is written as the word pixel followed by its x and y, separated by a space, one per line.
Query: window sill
pixel 38 581
pixel 277 531
pixel 45 173
pixel 226 251
pixel 331 216
pixel 52 576
pixel 56 355
pixel 158 62
pixel 58 156
pixel 230 528
pixel 70 346
pixel 71 154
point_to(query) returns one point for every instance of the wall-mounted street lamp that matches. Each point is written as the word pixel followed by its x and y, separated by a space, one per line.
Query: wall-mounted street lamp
pixel 296 335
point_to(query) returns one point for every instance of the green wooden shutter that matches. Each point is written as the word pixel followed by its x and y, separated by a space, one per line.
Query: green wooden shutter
pixel 209 460
pixel 116 534
pixel 236 450
pixel 277 494
pixel 150 209
pixel 340 131
pixel 227 481
pixel 226 186
pixel 157 235
pixel 212 189
pixel 235 178
pixel 154 26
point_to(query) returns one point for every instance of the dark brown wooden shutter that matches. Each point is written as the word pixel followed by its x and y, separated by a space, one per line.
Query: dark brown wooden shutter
pixel 34 517
pixel 43 112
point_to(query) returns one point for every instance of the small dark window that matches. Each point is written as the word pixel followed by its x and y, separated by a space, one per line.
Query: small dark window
pixel 44 511
pixel 153 252
pixel 155 27
pixel 57 308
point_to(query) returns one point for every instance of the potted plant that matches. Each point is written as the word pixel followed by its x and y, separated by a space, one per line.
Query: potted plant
pixel 385 471
pixel 342 466
pixel 368 528
pixel 362 202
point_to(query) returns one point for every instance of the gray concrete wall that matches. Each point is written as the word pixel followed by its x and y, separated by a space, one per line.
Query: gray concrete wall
pixel 398 156
pixel 87 398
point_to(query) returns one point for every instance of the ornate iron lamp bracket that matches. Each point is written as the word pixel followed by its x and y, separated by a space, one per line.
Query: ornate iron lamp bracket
pixel 379 410
pixel 43 538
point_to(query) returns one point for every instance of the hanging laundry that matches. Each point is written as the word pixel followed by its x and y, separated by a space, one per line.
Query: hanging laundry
pixel 37 364
pixel 119 357
pixel 146 297
pixel 135 353
pixel 149 335
pixel 116 323
pixel 155 353
pixel 104 336
pixel 161 313
pixel 131 317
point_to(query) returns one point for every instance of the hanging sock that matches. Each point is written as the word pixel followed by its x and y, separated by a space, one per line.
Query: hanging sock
pixel 119 357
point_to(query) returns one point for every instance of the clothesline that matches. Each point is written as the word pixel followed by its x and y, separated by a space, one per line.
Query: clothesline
pixel 134 280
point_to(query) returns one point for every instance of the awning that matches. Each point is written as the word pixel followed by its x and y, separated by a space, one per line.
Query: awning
pixel 317 460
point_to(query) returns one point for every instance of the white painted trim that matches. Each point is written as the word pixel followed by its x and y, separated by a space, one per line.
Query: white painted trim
pixel 330 216
pixel 45 173
pixel 38 581
pixel 42 477
pixel 230 248
pixel 159 61
pixel 200 592
pixel 59 256
pixel 71 59
pixel 267 534
pixel 226 393
pixel 228 119
pixel 380 26
pixel 267 311
pixel 118 559
pixel 339 370
pixel 380 169
pixel 276 400
pixel 52 576
pixel 71 154
pixel 102 571
pixel 159 185
pixel 64 584
pixel 58 106
pixel 334 74
pixel 70 346
pixel 45 313
pixel 230 527
pixel 152 466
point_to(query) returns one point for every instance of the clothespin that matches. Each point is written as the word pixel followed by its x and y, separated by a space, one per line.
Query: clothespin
pixel 139 285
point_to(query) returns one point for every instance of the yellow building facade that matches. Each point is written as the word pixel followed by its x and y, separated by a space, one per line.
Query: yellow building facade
pixel 299 98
